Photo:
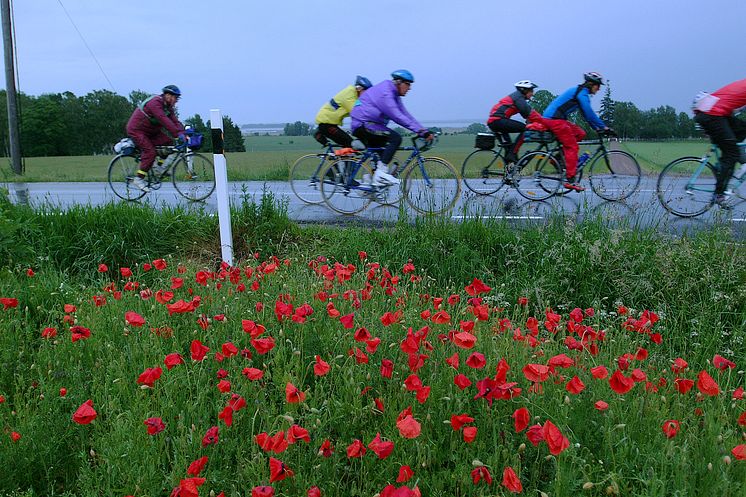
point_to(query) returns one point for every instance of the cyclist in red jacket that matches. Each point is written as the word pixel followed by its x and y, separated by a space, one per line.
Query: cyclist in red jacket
pixel 502 125
pixel 148 126
pixel 715 112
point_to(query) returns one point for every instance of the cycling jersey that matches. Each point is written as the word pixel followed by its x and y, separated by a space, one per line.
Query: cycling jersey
pixel 730 99
pixel 380 104
pixel 507 106
pixel 337 108
pixel 571 100
pixel 153 115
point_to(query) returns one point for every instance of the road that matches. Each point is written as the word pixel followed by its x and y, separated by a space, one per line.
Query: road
pixel 640 210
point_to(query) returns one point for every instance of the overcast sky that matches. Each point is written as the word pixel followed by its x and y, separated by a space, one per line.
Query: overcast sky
pixel 278 61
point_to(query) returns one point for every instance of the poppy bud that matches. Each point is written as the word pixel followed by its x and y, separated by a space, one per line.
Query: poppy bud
pixel 726 460
pixel 521 448
pixel 549 458
pixel 709 466
pixel 587 485
pixel 477 463
pixel 567 400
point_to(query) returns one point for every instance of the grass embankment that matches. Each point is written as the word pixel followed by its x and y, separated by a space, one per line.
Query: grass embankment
pixel 694 285
pixel 270 157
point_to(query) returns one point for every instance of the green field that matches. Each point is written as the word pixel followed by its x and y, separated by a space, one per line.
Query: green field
pixel 269 157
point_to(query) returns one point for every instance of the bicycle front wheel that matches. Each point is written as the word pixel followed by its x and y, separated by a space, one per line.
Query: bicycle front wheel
pixel 431 185
pixel 346 186
pixel 539 176
pixel 483 172
pixel 614 175
pixel 122 170
pixel 686 186
pixel 304 178
pixel 193 176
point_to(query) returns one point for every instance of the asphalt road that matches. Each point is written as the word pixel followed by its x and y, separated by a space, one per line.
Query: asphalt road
pixel 642 209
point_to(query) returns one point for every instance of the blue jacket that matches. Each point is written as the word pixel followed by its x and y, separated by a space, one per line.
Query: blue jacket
pixel 572 99
pixel 379 104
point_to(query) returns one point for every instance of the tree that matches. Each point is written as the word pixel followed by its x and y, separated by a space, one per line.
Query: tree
pixel 232 137
pixel 137 97
pixel 475 128
pixel 297 129
pixel 607 107
pixel 541 100
pixel 627 119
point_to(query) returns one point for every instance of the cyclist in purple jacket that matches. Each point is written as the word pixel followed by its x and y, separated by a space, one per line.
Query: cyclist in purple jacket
pixel 370 116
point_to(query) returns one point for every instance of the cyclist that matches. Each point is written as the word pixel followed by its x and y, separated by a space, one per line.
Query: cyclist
pixel 569 134
pixel 373 112
pixel 333 112
pixel 148 127
pixel 715 112
pixel 516 103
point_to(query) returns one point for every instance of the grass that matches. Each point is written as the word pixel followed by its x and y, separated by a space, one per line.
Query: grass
pixel 696 286
pixel 270 157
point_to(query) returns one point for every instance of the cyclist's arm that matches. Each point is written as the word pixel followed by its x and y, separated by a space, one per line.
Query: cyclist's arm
pixel 523 107
pixel 393 108
pixel 171 123
pixel 590 116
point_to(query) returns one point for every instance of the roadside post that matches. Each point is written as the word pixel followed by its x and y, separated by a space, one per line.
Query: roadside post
pixel 221 186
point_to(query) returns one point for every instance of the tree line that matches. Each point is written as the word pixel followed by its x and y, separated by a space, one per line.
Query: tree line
pixel 54 124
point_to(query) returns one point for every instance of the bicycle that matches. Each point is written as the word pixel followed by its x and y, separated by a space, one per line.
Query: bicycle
pixel 686 186
pixel 613 174
pixel 304 174
pixel 483 170
pixel 430 185
pixel 192 174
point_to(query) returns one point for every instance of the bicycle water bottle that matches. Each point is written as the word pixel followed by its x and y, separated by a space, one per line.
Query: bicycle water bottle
pixel 583 158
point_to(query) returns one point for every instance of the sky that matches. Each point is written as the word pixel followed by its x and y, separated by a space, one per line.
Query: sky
pixel 279 61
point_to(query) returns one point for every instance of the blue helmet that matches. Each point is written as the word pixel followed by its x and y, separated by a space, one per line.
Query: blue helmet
pixel 403 75
pixel 363 82
pixel 172 89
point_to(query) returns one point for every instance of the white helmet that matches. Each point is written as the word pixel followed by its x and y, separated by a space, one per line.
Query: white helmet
pixel 526 85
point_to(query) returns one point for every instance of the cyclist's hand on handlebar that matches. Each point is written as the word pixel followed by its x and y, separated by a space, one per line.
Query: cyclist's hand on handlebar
pixel 608 132
pixel 426 134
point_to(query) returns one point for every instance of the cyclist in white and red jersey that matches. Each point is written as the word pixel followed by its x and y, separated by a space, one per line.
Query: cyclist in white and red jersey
pixel 500 121
pixel 715 112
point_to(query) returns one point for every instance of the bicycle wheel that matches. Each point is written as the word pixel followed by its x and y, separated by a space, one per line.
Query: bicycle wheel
pixel 483 171
pixel 344 189
pixel 686 186
pixel 431 186
pixel 539 176
pixel 193 176
pixel 122 170
pixel 614 175
pixel 304 178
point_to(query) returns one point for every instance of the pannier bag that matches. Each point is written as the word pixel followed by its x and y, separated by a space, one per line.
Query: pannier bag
pixel 485 141
pixel 194 140
pixel 125 146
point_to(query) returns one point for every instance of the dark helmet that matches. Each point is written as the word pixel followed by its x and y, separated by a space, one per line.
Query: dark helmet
pixel 363 82
pixel 525 85
pixel 402 75
pixel 593 77
pixel 172 89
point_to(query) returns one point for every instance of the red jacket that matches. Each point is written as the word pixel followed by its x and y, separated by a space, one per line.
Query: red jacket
pixel 731 98
pixel 153 115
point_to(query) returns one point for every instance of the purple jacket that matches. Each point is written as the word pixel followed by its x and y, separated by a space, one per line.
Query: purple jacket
pixel 379 104
pixel 153 115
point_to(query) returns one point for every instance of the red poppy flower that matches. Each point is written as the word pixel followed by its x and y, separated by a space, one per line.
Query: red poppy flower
pixel 722 363
pixel 739 452
pixel 481 473
pixel 412 383
pixel 372 345
pixel 314 492
pixel 535 434
pixel 461 381
pixel 63 391
pixel 620 383
pixel 409 427
pixel 253 374
pixel 326 449
pixel 211 437
pixel 263 345
pixel 457 421
pixel 476 360
pixel 229 350
pixel 464 340
pixel 149 376
pixel 347 321
pixel 102 268
pixel 671 428
pixel 683 385
pixel 380 448
pixel 422 394
pixel 521 419
pixel 679 365
pixel 638 375
pixel 172 360
pixel 470 434
pixel 601 405
pixel 738 393
pixel 79 333
pixel 189 487
pixel 575 385
pixel 49 332
pixel 536 372
pixel 742 419
pixel 224 386
pixel 477 287
pixel 387 368
pixel 554 439
pixel 15 436
pixel 160 264
pixel 320 367
pixel 453 361
pixel 85 413
pixel 196 467
pixel 278 471
pixel 263 491
pixel 226 415
pixel 560 361
pixel 154 425
pixel 600 372
pixel 356 449
pixel 441 317
pixel 296 433
pixel 293 395
pixel 706 384
pixel 511 481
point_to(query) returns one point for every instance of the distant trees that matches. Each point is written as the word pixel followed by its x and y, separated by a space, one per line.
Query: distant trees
pixel 475 128
pixel 297 129
pixel 232 137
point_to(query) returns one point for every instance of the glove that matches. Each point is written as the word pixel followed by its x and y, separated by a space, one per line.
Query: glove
pixel 182 137
pixel 426 134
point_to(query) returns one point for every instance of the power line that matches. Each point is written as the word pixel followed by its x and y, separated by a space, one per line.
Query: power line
pixel 88 47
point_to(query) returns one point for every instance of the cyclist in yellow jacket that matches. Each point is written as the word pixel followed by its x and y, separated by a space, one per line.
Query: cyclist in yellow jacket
pixel 333 112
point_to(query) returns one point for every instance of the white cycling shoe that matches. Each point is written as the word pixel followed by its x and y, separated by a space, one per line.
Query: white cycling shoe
pixel 382 178
pixel 140 184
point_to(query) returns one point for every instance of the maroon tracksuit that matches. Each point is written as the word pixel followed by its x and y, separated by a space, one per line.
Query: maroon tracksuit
pixel 147 127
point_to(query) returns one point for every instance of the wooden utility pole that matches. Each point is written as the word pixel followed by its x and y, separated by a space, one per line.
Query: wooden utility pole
pixel 10 86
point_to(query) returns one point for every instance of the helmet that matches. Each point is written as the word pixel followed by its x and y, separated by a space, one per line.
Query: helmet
pixel 525 85
pixel 403 75
pixel 172 89
pixel 363 82
pixel 593 77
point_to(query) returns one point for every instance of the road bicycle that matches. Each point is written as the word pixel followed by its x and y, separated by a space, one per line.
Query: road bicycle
pixel 613 174
pixel 192 174
pixel 430 185
pixel 483 171
pixel 305 174
pixel 686 186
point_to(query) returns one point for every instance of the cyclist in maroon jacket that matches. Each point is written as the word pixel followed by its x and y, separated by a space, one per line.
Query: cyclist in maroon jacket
pixel 148 126
pixel 502 125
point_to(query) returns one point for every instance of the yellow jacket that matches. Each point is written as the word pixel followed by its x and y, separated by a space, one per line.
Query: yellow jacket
pixel 339 107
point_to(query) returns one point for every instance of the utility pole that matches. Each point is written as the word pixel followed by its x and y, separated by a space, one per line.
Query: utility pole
pixel 10 86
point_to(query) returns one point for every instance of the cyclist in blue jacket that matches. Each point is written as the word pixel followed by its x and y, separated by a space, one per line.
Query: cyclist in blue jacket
pixel 568 134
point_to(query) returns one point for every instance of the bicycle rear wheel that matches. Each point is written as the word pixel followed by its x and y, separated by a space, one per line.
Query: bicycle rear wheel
pixel 193 176
pixel 614 175
pixel 483 171
pixel 539 176
pixel 431 185
pixel 304 178
pixel 122 170
pixel 686 186
pixel 343 188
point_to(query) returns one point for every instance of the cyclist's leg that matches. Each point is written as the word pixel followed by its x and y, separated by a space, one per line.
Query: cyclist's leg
pixel 504 127
pixel 336 134
pixel 721 134
pixel 566 135
pixel 147 150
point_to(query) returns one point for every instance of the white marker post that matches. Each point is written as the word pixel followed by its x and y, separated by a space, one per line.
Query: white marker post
pixel 221 186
